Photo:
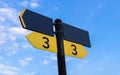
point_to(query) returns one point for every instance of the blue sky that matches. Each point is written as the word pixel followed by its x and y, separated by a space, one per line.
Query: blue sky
pixel 99 17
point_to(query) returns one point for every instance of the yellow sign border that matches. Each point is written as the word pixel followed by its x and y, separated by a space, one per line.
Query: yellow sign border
pixel 21 19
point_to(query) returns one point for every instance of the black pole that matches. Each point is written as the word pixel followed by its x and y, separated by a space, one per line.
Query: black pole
pixel 59 31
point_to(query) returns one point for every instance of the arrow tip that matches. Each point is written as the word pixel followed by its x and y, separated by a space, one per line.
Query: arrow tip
pixel 21 19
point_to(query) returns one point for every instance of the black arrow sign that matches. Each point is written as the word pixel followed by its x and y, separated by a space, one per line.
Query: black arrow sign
pixel 36 22
pixel 76 35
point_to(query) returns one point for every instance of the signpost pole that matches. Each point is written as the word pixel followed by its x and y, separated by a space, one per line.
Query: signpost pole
pixel 60 53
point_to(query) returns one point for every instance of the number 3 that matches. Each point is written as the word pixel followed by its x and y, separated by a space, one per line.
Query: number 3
pixel 46 42
pixel 75 49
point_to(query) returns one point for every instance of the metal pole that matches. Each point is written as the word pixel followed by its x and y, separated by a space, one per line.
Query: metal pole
pixel 59 31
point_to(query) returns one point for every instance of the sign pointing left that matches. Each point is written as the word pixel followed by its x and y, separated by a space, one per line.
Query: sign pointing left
pixel 36 22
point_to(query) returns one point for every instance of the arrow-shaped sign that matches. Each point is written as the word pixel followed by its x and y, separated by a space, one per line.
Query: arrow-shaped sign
pixel 42 41
pixel 48 43
pixel 76 35
pixel 42 24
pixel 36 22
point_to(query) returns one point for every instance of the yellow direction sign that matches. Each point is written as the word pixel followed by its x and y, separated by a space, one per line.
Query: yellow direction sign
pixel 75 50
pixel 48 43
pixel 42 41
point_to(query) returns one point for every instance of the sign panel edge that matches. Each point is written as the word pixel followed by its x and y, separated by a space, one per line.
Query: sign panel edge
pixel 21 19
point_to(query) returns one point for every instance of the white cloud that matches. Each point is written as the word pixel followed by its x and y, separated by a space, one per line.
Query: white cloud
pixel 3 38
pixel 17 31
pixel 68 59
pixel 2 19
pixel 12 70
pixel 26 46
pixel 45 62
pixel 34 4
pixel 84 61
pixel 1 58
pixel 10 14
pixel 12 37
pixel 49 59
pixel 2 28
pixel 12 49
pixel 53 57
pixel 8 38
pixel 24 3
pixel 8 70
pixel 25 62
